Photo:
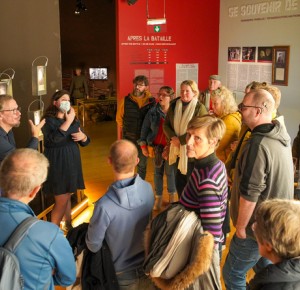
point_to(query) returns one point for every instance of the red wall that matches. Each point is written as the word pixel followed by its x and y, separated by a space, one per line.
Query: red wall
pixel 192 28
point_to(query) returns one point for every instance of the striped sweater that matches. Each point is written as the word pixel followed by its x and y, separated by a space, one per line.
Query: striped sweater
pixel 206 194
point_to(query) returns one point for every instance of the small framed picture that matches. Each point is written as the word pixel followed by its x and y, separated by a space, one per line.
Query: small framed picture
pixel 264 54
pixel 280 65
pixel 234 54
pixel 248 54
pixel 39 84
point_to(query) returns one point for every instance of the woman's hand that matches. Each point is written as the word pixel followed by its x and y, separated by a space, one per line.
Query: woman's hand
pixel 79 136
pixel 70 116
pixel 145 151
pixel 175 142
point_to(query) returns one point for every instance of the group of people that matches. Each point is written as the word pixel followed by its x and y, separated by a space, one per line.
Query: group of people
pixel 45 256
pixel 249 138
pixel 214 150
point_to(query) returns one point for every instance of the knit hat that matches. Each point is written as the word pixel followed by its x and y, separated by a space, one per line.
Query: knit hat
pixel 215 77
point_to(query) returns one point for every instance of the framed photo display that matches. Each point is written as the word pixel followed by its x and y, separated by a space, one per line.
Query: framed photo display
pixel 39 84
pixel 280 65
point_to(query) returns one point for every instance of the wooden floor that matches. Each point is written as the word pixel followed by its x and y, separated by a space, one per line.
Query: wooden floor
pixel 97 172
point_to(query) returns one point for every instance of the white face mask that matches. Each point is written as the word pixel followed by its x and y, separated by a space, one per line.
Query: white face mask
pixel 64 106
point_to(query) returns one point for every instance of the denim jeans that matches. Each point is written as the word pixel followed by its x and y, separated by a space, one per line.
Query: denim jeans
pixel 134 280
pixel 142 165
pixel 242 256
pixel 159 178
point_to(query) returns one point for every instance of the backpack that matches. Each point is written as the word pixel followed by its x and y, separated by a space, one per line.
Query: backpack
pixel 10 275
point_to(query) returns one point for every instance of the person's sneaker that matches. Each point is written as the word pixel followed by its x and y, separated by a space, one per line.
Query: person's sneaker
pixel 77 11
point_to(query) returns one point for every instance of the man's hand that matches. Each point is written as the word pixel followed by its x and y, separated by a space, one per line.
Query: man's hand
pixel 241 233
pixel 36 129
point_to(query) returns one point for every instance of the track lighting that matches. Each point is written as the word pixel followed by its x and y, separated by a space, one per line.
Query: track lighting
pixel 80 6
pixel 131 2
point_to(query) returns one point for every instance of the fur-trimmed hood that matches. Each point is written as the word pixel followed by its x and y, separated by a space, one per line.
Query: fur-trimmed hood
pixel 198 266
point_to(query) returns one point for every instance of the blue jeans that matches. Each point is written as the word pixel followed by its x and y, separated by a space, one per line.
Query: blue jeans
pixel 142 165
pixel 242 256
pixel 134 280
pixel 159 177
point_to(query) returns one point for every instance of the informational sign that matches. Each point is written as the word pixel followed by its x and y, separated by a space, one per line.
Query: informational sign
pixel 150 49
pixel 265 10
pixel 185 71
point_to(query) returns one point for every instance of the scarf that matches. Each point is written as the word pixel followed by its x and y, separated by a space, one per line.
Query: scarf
pixel 181 121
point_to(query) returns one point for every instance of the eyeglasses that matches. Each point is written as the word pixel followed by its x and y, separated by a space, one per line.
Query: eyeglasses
pixel 162 95
pixel 242 107
pixel 12 110
pixel 139 85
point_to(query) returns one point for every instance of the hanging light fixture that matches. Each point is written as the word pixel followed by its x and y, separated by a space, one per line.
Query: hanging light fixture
pixel 131 2
pixel 156 21
pixel 80 6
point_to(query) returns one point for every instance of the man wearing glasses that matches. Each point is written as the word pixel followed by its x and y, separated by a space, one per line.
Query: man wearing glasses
pixel 264 171
pixel 10 117
pixel 130 116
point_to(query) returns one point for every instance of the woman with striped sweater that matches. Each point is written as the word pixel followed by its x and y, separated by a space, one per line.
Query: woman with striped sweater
pixel 206 190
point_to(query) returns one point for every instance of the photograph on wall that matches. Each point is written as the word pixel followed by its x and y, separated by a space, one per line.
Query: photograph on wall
pixel 98 73
pixel 280 65
pixel 3 88
pixel 234 54
pixel 248 54
pixel 41 76
pixel 6 87
pixel 39 84
pixel 264 54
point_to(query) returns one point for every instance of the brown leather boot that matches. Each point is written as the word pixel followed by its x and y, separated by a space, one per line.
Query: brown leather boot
pixel 172 197
pixel 158 202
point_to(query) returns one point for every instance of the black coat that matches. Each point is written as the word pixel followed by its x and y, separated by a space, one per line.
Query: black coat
pixel 281 276
pixel 98 272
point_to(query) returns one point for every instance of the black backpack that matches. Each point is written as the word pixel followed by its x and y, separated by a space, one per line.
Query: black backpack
pixel 10 275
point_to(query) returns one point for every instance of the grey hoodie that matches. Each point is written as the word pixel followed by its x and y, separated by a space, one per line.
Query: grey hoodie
pixel 121 217
pixel 265 168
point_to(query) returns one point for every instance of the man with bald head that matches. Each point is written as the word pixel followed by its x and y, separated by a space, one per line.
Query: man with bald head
pixel 121 216
pixel 264 171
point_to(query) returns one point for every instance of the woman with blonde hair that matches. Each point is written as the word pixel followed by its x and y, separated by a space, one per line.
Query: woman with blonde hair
pixel 207 189
pixel 225 107
pixel 180 112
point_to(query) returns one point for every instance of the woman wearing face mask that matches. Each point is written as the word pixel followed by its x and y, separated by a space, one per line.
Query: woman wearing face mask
pixel 61 138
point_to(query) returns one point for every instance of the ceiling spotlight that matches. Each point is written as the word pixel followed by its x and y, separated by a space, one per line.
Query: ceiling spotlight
pixel 131 2
pixel 80 6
